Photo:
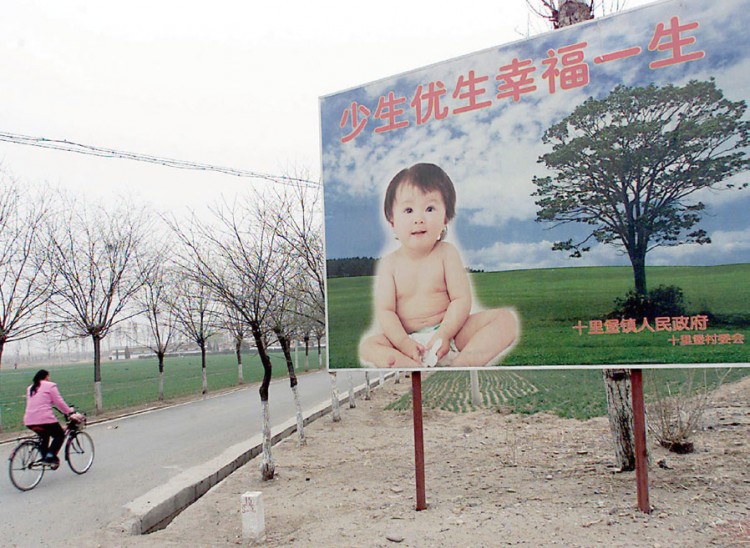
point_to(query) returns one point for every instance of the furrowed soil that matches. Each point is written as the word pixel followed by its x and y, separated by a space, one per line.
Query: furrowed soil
pixel 492 479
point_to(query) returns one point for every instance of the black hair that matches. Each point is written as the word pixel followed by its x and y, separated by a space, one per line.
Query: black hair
pixel 426 177
pixel 38 378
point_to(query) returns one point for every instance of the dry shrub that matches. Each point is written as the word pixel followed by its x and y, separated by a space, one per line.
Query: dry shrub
pixel 677 410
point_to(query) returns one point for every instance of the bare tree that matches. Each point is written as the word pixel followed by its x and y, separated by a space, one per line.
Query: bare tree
pixel 196 311
pixel 26 279
pixel 243 276
pixel 299 224
pixel 156 298
pixel 238 329
pixel 283 319
pixel 93 249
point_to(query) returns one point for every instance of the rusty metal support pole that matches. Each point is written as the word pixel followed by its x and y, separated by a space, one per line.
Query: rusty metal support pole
pixel 416 398
pixel 641 453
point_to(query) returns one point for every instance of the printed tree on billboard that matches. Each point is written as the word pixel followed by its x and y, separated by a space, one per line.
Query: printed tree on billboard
pixel 630 166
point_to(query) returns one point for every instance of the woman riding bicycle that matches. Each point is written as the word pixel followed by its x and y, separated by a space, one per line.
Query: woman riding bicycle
pixel 41 396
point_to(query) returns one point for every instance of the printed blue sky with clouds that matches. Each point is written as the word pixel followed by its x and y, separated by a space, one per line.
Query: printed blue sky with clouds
pixel 491 154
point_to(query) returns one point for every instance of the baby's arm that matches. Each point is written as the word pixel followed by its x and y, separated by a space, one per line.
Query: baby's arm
pixel 385 312
pixel 459 293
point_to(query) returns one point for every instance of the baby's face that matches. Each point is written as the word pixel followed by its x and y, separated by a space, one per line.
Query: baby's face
pixel 418 217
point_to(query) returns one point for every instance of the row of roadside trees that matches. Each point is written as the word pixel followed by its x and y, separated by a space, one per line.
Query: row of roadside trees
pixel 251 266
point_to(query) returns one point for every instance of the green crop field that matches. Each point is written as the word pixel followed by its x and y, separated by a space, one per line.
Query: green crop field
pixel 575 394
pixel 128 383
pixel 551 302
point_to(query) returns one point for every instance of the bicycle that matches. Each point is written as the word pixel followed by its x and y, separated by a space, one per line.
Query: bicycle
pixel 27 467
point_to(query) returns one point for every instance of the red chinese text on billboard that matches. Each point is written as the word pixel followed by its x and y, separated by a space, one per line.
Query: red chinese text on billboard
pixel 426 103
pixel 708 339
pixel 565 68
pixel 574 73
pixel 357 115
pixel 631 325
pixel 673 324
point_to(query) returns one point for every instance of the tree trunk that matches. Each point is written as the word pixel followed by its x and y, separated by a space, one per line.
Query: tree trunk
pixel 284 342
pixel 573 11
pixel 367 385
pixel 300 417
pixel 320 356
pixel 161 376
pixel 352 402
pixel 307 353
pixel 335 411
pixel 204 389
pixel 98 405
pixel 267 468
pixel 639 275
pixel 238 353
pixel 398 378
pixel 2 347
pixel 620 412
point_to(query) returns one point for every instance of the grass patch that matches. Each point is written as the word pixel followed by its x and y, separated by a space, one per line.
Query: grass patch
pixel 130 383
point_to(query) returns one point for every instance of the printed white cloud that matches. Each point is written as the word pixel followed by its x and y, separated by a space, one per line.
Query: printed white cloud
pixel 726 247
pixel 502 256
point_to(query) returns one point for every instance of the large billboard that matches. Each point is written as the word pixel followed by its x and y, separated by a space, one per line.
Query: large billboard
pixel 573 198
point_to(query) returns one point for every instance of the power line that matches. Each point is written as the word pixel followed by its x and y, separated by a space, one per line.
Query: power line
pixel 69 146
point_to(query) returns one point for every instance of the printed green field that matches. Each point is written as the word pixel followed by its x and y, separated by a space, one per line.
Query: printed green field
pixel 552 302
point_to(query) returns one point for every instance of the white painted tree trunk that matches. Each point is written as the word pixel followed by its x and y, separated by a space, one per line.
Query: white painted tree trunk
pixel 335 410
pixel 98 396
pixel 398 377
pixel 620 413
pixel 240 375
pixel 267 468
pixel 476 395
pixel 161 385
pixel 352 402
pixel 382 378
pixel 367 385
pixel 205 382
pixel 300 417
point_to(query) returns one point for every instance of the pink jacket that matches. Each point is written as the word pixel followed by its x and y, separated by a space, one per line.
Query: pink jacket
pixel 39 406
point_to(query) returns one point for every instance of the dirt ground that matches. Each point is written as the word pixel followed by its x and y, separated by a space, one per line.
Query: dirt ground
pixel 492 479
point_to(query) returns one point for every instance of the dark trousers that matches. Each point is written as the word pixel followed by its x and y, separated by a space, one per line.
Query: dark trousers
pixel 53 430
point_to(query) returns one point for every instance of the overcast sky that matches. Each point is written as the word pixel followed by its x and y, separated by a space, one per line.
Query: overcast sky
pixel 234 84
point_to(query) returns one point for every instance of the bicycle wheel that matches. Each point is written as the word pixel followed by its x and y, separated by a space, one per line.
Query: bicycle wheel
pixel 79 452
pixel 26 468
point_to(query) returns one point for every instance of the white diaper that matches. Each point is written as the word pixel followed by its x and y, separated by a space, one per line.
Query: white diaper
pixel 429 359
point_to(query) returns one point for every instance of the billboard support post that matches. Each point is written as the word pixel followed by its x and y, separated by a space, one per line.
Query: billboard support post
pixel 416 398
pixel 639 427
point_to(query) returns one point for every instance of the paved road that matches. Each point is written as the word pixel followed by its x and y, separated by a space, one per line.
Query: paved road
pixel 138 453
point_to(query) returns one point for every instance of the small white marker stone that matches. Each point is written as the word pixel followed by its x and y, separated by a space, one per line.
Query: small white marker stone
pixel 253 519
